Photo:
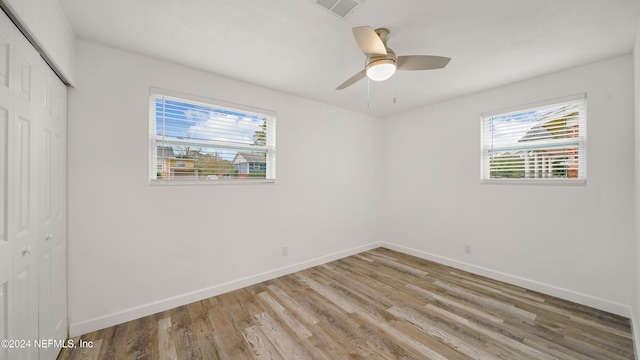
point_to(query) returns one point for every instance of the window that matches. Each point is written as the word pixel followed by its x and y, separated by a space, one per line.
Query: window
pixel 538 143
pixel 194 140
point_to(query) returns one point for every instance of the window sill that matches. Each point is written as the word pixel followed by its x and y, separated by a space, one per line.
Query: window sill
pixel 572 182
pixel 210 182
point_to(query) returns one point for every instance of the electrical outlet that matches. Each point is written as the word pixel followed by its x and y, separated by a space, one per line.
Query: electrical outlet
pixel 467 248
pixel 285 251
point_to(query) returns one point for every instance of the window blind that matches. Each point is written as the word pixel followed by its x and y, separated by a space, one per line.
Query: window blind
pixel 540 142
pixel 194 139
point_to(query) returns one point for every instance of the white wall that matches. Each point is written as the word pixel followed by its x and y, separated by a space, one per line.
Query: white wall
pixel 47 25
pixel 575 242
pixel 136 249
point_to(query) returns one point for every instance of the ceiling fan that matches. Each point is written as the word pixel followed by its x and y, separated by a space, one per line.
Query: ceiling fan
pixel 382 62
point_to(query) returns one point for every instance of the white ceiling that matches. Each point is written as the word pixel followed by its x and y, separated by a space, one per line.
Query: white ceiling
pixel 300 48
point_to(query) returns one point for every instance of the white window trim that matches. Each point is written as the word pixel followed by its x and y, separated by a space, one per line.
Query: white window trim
pixel 270 148
pixel 582 177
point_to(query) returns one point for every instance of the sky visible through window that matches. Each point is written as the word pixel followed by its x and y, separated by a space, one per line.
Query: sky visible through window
pixel 192 121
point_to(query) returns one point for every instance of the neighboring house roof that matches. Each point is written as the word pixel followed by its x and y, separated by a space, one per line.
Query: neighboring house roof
pixel 166 151
pixel 535 133
pixel 566 114
pixel 249 156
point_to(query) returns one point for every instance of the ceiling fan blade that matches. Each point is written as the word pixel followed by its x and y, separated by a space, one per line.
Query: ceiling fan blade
pixel 368 41
pixel 422 62
pixel 352 80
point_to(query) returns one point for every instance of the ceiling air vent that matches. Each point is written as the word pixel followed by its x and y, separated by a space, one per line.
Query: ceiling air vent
pixel 342 8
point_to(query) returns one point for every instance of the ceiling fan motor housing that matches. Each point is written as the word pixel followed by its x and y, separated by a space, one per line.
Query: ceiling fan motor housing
pixel 390 58
pixel 383 34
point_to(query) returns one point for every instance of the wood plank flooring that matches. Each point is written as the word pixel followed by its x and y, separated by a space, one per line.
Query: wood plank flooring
pixel 379 304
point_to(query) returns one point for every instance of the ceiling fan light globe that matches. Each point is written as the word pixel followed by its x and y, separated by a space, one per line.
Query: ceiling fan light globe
pixel 381 70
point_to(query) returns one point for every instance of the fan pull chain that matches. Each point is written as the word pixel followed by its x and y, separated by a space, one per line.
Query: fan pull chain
pixel 394 88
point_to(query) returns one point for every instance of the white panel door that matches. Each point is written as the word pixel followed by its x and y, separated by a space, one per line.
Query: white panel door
pixel 25 229
pixel 7 35
pixel 32 199
pixel 52 194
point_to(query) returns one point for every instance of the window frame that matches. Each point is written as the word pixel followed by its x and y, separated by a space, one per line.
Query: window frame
pixel 269 148
pixel 581 141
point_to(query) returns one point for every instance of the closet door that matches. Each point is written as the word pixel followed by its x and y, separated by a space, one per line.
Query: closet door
pixel 52 190
pixel 6 197
pixel 22 183
pixel 32 200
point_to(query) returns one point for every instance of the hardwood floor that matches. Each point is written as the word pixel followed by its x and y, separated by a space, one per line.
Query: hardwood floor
pixel 379 304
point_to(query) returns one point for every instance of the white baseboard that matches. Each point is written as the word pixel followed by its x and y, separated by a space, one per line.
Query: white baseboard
pixel 87 326
pixel 580 298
